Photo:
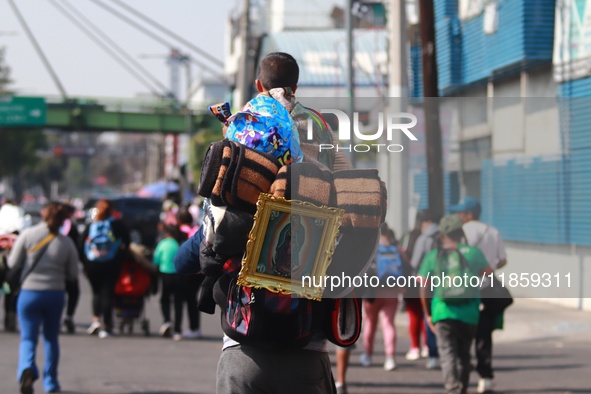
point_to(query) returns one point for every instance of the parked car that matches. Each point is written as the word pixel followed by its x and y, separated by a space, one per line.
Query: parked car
pixel 140 215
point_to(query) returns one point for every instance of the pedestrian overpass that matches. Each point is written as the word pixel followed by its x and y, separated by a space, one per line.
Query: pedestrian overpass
pixel 97 115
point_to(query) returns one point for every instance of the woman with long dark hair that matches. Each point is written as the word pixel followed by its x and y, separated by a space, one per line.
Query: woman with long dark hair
pixel 48 260
pixel 105 241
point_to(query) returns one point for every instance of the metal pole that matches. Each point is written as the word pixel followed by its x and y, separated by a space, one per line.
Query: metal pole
pixel 431 107
pixel 350 82
pixel 174 60
pixel 244 82
pixel 394 167
pixel 186 138
pixel 187 62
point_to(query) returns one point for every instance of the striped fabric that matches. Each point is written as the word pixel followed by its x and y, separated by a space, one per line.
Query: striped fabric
pixel 362 195
pixel 242 174
pixel 305 182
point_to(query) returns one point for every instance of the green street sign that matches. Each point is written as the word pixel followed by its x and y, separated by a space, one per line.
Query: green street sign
pixel 22 111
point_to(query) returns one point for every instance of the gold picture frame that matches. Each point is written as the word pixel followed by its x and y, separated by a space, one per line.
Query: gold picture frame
pixel 278 257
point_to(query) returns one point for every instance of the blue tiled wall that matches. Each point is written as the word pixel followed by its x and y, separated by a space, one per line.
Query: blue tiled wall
pixel 467 56
pixel 415 75
pixel 575 116
pixel 526 201
pixel 451 187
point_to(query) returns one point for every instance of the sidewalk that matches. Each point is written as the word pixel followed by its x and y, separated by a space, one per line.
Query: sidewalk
pixel 544 349
pixel 529 319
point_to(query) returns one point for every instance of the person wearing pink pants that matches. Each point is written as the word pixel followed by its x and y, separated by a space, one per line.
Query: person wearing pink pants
pixel 386 266
pixel 387 304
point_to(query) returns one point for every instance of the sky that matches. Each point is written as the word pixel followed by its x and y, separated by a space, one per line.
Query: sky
pixel 86 70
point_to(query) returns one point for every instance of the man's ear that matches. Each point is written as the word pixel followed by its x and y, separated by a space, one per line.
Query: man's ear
pixel 259 85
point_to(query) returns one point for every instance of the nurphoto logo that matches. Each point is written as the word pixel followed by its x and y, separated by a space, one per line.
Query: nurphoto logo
pixel 395 122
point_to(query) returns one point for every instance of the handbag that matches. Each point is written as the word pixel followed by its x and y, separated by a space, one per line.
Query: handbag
pixel 496 297
pixel 15 276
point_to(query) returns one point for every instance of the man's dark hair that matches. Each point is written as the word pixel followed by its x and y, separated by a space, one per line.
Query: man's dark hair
pixel 426 215
pixel 457 235
pixel 278 70
pixel 185 217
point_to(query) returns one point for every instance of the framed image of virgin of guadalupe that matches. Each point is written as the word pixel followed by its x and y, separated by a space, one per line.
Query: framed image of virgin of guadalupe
pixel 290 246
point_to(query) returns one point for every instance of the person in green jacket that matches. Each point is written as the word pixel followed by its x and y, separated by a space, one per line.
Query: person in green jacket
pixel 454 311
pixel 171 281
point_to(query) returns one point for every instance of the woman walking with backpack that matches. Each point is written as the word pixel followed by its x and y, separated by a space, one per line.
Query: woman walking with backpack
pixel 105 241
pixel 384 300
pixel 45 261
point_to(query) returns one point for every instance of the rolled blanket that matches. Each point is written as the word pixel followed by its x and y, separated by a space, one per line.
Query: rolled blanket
pixel 210 169
pixel 217 197
pixel 342 321
pixel 254 174
pixel 312 184
pixel 304 182
pixel 226 189
pixel 361 194
pixel 281 187
pixel 243 174
pixel 384 201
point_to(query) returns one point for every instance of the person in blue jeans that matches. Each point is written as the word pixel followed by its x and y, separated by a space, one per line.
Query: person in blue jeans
pixel 41 299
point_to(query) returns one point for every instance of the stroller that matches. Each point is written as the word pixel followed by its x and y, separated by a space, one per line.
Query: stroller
pixel 6 242
pixel 132 288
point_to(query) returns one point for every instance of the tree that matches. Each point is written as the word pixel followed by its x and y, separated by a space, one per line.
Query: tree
pixel 45 172
pixel 18 150
pixel 4 72
pixel 18 154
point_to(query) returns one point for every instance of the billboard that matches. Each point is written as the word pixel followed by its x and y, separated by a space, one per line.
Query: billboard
pixel 572 40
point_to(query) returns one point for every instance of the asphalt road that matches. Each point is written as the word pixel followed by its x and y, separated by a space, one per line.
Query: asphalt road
pixel 544 349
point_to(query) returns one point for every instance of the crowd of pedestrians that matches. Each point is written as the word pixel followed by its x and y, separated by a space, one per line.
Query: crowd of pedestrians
pixel 447 334
pixel 41 288
pixel 439 335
